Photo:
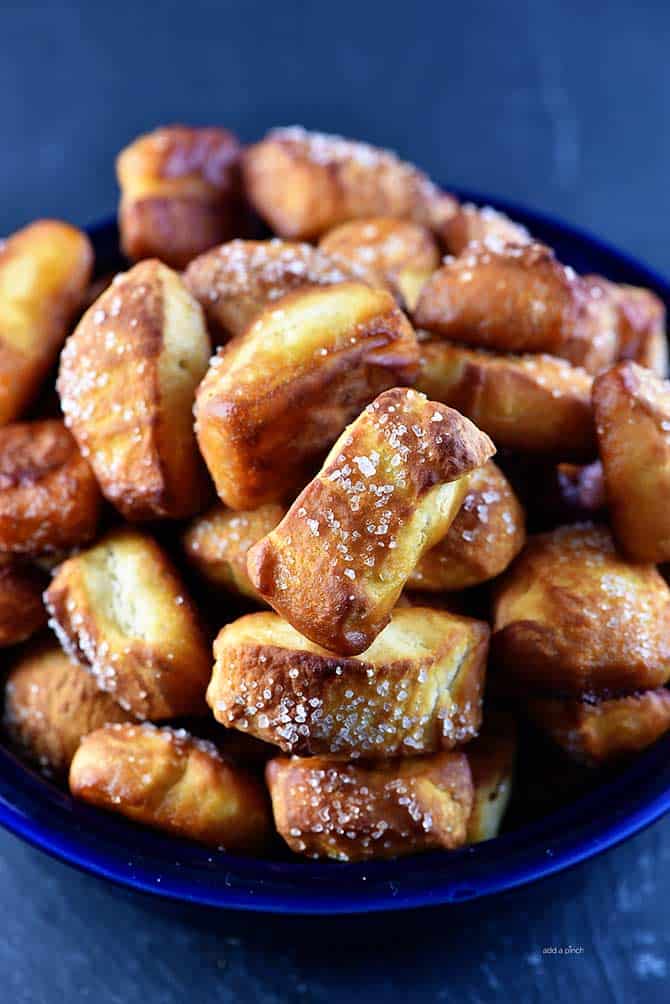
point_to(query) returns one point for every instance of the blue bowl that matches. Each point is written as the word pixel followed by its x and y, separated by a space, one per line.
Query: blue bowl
pixel 111 847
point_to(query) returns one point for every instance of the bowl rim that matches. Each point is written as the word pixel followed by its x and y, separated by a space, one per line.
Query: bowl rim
pixel 113 848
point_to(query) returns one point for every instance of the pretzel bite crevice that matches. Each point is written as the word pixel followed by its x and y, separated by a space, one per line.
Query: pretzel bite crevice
pixel 120 609
pixel 275 398
pixel 417 689
pixel 172 781
pixel 356 812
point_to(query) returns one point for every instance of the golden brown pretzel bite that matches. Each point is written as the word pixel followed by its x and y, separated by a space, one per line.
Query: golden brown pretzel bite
pixel 235 282
pixel 217 543
pixel 22 612
pixel 491 757
pixel 121 610
pixel 49 498
pixel 572 616
pixel 44 272
pixel 275 398
pixel 640 318
pixel 127 384
pixel 401 252
pixel 172 781
pixel 519 298
pixel 51 703
pixel 180 193
pixel 305 183
pixel 388 491
pixel 534 404
pixel 417 689
pixel 355 812
pixel 599 731
pixel 483 224
pixel 632 411
pixel 488 532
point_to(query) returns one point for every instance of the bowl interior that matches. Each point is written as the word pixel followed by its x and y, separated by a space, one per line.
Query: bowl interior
pixel 109 846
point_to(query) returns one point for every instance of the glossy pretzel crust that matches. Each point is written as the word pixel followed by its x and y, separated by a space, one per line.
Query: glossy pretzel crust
pixel 180 193
pixel 217 543
pixel 418 688
pixel 276 397
pixel 519 298
pixel 597 732
pixel 534 403
pixel 45 270
pixel 472 224
pixel 49 498
pixel 632 411
pixel 572 616
pixel 51 703
pixel 305 183
pixel 120 609
pixel 487 534
pixel 235 282
pixel 356 812
pixel 127 383
pixel 401 253
pixel 167 779
pixel 388 491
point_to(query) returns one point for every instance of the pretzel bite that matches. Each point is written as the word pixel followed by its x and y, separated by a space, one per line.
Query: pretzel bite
pixel 632 411
pixel 217 544
pixel 49 498
pixel 305 183
pixel 534 404
pixel 640 323
pixel 471 224
pixel 120 609
pixel 275 398
pixel 388 491
pixel 519 298
pixel 167 779
pixel 417 689
pixel 403 253
pixel 488 532
pixel 598 731
pixel 51 703
pixel 235 282
pixel 180 193
pixel 572 616
pixel 356 812
pixel 22 612
pixel 127 383
pixel 44 273
pixel 491 757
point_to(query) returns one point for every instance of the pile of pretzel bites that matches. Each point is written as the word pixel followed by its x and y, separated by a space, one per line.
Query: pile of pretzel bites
pixel 258 565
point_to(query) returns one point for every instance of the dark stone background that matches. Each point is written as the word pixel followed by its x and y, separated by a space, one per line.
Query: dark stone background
pixel 558 104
